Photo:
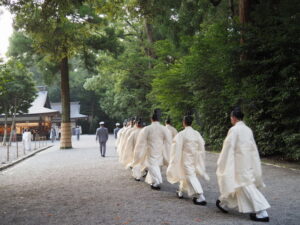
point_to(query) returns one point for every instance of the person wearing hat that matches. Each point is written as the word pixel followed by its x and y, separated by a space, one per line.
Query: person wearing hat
pixel 239 172
pixel 102 136
pixel 116 130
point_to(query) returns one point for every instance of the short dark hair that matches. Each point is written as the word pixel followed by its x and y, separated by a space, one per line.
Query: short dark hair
pixel 156 115
pixel 188 120
pixel 168 121
pixel 237 113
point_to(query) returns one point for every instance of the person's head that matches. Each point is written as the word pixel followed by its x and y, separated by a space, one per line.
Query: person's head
pixel 132 121
pixel 168 121
pixel 156 115
pixel 187 120
pixel 101 124
pixel 236 115
pixel 139 123
pixel 117 124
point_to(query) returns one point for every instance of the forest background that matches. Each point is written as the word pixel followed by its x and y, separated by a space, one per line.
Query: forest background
pixel 204 56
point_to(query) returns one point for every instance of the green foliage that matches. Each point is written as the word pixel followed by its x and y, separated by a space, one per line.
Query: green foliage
pixel 123 84
pixel 18 88
pixel 271 78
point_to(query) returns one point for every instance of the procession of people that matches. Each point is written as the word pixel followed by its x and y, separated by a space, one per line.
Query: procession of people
pixel 145 150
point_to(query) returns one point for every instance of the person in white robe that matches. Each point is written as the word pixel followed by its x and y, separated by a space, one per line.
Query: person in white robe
pixel 239 172
pixel 127 155
pixel 187 160
pixel 172 130
pixel 124 138
pixel 120 136
pixel 26 138
pixel 152 150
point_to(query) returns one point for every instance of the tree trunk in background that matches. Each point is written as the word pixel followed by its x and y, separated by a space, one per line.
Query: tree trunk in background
pixel 244 11
pixel 66 141
pixel 150 38
pixel 231 8
pixel 5 129
pixel 12 125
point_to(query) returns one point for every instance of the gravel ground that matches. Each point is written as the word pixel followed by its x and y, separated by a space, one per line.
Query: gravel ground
pixel 70 187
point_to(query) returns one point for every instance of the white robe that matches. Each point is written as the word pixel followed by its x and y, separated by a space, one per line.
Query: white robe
pixel 172 130
pixel 120 139
pixel 152 150
pixel 126 155
pixel 27 140
pixel 187 160
pixel 239 171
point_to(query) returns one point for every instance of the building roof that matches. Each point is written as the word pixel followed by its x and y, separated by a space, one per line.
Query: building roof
pixel 74 108
pixel 41 104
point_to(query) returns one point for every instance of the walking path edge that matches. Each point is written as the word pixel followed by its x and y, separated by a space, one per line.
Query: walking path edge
pixel 23 158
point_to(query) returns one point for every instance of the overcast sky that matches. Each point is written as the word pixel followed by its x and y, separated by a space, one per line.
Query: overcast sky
pixel 5 30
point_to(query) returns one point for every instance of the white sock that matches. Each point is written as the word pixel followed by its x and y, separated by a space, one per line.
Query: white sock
pixel 262 214
pixel 201 198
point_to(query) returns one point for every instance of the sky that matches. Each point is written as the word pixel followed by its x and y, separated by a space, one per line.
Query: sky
pixel 5 30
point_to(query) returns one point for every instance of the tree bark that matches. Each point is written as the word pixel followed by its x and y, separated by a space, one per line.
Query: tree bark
pixel 12 124
pixel 150 38
pixel 244 11
pixel 231 8
pixel 66 141
pixel 5 129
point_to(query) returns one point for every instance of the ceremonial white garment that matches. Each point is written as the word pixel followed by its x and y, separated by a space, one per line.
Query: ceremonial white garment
pixel 172 130
pixel 120 140
pixel 239 171
pixel 126 156
pixel 27 140
pixel 152 150
pixel 187 160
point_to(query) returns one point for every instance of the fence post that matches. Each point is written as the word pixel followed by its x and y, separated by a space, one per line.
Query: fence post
pixel 7 153
pixel 17 148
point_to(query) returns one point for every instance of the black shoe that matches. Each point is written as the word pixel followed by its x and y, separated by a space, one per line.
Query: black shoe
pixel 136 179
pixel 219 206
pixel 157 188
pixel 254 218
pixel 146 172
pixel 199 203
pixel 103 156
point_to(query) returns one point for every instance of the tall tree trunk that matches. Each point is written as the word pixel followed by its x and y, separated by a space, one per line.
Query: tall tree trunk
pixel 149 32
pixel 231 8
pixel 12 128
pixel 244 13
pixel 5 129
pixel 66 141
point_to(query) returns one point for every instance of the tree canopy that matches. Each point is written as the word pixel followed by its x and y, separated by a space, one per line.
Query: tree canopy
pixel 205 56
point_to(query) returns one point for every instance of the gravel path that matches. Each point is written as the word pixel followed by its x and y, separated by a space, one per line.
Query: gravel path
pixel 70 187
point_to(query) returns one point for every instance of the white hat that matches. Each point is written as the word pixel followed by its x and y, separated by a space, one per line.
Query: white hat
pixel 117 124
pixel 101 123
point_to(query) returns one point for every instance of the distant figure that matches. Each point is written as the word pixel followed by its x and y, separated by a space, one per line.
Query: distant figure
pixel 26 138
pixel 171 128
pixel 77 132
pixel 52 134
pixel 116 130
pixel 102 136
